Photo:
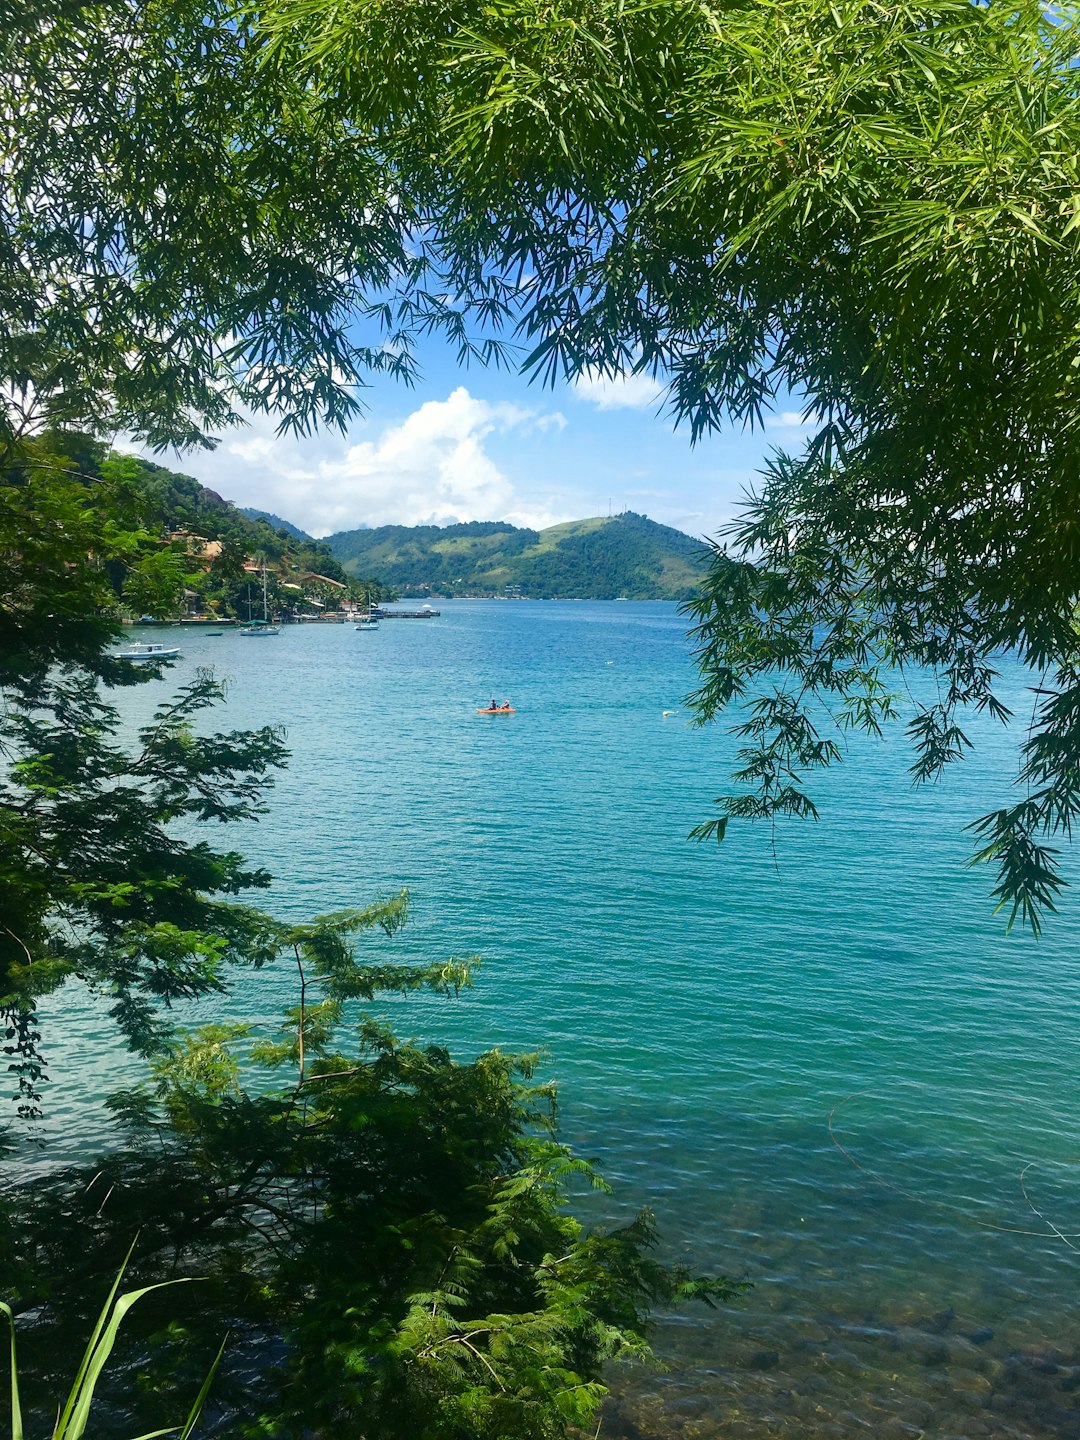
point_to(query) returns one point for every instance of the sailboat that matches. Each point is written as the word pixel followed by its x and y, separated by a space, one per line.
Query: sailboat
pixel 368 618
pixel 263 626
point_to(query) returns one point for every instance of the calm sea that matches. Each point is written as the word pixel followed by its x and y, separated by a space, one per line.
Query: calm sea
pixel 821 1062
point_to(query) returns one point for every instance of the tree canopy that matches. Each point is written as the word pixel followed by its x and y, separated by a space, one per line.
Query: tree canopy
pixel 182 240
pixel 870 207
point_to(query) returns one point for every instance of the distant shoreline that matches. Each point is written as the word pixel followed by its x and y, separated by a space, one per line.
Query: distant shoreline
pixel 553 599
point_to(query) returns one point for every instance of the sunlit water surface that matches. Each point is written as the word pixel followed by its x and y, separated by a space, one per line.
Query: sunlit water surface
pixel 823 1064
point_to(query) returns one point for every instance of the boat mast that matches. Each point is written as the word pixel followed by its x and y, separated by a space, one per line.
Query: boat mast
pixel 264 591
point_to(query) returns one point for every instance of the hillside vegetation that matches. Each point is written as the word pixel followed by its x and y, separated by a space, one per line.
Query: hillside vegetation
pixel 217 546
pixel 597 559
pixel 275 522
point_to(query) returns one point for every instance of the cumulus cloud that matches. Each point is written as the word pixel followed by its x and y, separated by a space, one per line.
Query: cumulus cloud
pixel 790 420
pixel 432 468
pixel 619 392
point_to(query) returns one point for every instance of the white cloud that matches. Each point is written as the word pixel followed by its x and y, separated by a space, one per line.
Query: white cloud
pixel 790 420
pixel 432 468
pixel 553 420
pixel 619 392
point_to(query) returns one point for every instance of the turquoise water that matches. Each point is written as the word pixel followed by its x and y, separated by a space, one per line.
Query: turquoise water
pixel 824 1067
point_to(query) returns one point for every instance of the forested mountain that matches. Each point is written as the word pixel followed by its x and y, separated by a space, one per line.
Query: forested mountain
pixel 180 502
pixel 598 559
pixel 276 521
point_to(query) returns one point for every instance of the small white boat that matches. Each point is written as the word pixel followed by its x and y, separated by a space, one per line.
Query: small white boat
pixel 139 654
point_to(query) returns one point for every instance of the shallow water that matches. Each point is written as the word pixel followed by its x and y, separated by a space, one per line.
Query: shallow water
pixel 824 1067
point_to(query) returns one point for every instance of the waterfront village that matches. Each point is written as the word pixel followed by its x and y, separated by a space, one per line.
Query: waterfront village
pixel 224 584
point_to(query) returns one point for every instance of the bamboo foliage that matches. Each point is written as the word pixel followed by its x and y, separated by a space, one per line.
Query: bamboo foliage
pixel 863 208
pixel 866 209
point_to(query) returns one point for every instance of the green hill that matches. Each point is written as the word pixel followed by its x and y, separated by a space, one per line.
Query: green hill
pixel 220 540
pixel 275 521
pixel 179 502
pixel 598 559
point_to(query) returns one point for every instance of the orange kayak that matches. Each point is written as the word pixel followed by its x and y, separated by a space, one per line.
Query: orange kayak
pixel 499 710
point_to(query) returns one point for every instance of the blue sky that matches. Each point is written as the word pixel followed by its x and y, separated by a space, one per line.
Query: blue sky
pixel 474 444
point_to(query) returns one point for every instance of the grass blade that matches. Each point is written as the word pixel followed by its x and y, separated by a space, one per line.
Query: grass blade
pixel 72 1421
pixel 94 1363
pixel 200 1399
pixel 65 1415
pixel 16 1410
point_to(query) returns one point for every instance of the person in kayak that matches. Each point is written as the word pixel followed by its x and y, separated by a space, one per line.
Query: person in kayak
pixel 492 705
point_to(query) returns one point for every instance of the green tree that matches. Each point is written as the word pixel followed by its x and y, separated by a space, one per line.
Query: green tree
pixel 228 564
pixel 869 207
pixel 183 239
pixel 94 880
pixel 393 1221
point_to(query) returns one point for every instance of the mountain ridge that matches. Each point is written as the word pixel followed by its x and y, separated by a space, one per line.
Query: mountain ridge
pixel 275 521
pixel 598 558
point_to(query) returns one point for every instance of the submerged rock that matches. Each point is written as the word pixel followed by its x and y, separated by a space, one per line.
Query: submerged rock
pixel 764 1360
pixel 934 1354
pixel 937 1324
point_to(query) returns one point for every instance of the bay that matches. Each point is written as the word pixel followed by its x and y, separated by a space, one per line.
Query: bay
pixel 815 1055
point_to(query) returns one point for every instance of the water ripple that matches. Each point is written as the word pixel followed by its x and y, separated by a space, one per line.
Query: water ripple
pixel 826 1068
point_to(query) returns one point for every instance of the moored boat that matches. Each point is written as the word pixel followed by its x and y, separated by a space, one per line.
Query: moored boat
pixel 369 619
pixel 140 654
pixel 263 626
